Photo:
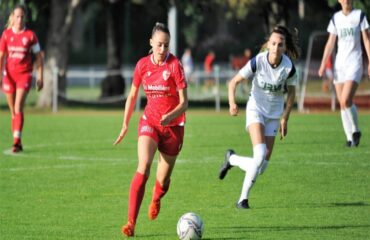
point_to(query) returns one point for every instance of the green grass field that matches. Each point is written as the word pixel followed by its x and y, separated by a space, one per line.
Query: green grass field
pixel 71 183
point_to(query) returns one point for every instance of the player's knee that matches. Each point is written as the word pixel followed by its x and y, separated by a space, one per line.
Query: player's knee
pixel 259 153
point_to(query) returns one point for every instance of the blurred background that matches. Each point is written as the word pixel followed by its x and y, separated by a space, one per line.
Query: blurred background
pixel 92 46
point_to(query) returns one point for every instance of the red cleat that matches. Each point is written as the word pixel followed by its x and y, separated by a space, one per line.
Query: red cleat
pixel 154 208
pixel 17 148
pixel 129 229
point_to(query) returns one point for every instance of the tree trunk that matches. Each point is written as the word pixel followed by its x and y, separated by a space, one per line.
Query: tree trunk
pixel 114 84
pixel 56 57
pixel 275 13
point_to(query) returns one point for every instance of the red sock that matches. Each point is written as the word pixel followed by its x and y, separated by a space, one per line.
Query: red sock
pixel 137 190
pixel 17 121
pixel 159 191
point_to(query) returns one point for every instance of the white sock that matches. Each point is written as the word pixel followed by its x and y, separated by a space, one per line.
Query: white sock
pixel 249 180
pixel 353 117
pixel 259 154
pixel 347 126
pixel 263 167
pixel 242 162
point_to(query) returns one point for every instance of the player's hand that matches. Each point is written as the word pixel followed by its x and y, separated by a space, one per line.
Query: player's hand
pixel 233 109
pixel 121 135
pixel 321 71
pixel 283 128
pixel 165 120
pixel 39 84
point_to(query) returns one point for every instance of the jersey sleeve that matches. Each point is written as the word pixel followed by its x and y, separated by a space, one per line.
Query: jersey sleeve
pixel 364 24
pixel 136 81
pixel 35 44
pixel 3 43
pixel 249 69
pixel 331 27
pixel 179 76
pixel 293 77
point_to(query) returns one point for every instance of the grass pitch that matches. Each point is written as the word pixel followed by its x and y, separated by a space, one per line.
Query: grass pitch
pixel 71 183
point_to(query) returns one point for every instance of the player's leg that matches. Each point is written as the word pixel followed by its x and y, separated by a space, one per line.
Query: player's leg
pixel 20 99
pixel 169 147
pixel 147 147
pixel 348 93
pixel 345 119
pixel 164 170
pixel 256 131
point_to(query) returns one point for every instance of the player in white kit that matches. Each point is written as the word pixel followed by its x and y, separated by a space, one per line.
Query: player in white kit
pixel 348 25
pixel 273 74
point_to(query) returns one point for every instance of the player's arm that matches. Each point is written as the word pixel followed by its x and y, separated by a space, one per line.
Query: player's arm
pixel 233 83
pixel 40 70
pixel 2 57
pixel 129 108
pixel 178 110
pixel 289 106
pixel 366 39
pixel 327 52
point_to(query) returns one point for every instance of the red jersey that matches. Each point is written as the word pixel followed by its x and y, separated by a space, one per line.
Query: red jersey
pixel 18 47
pixel 161 84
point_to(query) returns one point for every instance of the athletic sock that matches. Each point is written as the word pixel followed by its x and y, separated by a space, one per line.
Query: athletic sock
pixel 159 191
pixel 347 126
pixel 263 167
pixel 259 154
pixel 242 162
pixel 17 127
pixel 353 117
pixel 137 190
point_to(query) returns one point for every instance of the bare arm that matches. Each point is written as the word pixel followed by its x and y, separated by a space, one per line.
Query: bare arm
pixel 366 39
pixel 327 53
pixel 289 105
pixel 2 57
pixel 178 110
pixel 233 108
pixel 129 108
pixel 40 70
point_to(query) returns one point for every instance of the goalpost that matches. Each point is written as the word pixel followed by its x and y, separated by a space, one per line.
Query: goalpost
pixel 311 92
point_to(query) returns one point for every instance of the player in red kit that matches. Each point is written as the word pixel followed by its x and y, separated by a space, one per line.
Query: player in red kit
pixel 17 44
pixel 162 125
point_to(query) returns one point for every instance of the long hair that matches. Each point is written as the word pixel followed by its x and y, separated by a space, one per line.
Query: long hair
pixel 291 41
pixel 9 24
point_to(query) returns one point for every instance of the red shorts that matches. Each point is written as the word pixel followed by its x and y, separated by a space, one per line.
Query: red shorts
pixel 169 138
pixel 14 81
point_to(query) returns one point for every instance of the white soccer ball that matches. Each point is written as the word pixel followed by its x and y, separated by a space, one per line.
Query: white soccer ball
pixel 190 227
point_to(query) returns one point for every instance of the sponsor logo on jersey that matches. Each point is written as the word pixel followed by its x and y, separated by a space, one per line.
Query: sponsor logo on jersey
pixel 166 74
pixel 146 128
pixel 24 41
pixel 157 88
pixel 272 87
pixel 11 39
pixel 149 73
pixel 346 32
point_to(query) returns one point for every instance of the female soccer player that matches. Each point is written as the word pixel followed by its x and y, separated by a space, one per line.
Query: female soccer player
pixel 348 25
pixel 162 124
pixel 17 44
pixel 272 73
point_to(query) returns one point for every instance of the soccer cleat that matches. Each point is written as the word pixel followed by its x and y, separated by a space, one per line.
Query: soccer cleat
pixel 129 229
pixel 17 148
pixel 243 204
pixel 356 138
pixel 226 165
pixel 154 208
pixel 348 144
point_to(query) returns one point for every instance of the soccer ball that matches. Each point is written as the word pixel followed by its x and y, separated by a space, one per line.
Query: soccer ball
pixel 190 226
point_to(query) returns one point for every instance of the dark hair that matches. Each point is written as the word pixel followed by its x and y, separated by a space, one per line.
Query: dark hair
pixel 160 27
pixel 291 41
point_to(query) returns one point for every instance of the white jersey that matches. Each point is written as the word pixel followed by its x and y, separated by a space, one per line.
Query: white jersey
pixel 348 30
pixel 269 84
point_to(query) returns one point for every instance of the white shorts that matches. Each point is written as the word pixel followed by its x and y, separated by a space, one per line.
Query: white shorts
pixel 342 75
pixel 271 124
